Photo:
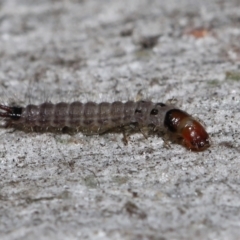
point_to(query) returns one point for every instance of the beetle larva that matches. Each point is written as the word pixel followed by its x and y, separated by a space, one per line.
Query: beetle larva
pixel 92 118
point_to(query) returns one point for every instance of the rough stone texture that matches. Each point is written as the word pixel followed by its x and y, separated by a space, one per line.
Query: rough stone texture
pixel 93 187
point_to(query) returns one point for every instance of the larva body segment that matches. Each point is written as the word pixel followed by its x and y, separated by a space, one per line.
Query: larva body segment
pixel 92 118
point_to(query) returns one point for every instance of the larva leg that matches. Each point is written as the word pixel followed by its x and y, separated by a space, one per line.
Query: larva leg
pixel 173 101
pixel 166 141
pixel 139 96
pixel 127 130
pixel 144 131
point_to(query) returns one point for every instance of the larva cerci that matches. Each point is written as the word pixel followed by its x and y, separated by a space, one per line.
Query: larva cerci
pixel 92 118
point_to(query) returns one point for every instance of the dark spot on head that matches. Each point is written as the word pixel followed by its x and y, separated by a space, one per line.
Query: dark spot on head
pixel 138 111
pixel 154 112
pixel 16 113
pixel 161 104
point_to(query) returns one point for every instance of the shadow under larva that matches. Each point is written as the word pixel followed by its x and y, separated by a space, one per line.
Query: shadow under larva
pixel 97 118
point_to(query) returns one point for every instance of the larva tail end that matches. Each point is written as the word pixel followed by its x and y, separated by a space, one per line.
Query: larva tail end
pixel 10 112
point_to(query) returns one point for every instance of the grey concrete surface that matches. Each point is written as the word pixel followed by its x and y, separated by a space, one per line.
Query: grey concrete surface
pixel 57 186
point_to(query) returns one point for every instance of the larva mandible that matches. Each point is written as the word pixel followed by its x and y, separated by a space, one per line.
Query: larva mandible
pixel 92 118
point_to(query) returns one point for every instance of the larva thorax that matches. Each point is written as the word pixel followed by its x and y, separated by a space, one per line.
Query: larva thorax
pixel 93 118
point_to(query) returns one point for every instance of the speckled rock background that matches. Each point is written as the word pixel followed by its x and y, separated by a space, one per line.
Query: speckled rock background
pixel 93 187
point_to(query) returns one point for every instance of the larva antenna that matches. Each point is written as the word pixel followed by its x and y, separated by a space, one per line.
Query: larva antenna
pixel 10 112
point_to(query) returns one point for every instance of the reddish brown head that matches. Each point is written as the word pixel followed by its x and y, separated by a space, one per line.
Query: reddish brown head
pixel 192 133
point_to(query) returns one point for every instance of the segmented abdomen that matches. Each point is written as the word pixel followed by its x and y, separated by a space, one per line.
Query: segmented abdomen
pixel 88 117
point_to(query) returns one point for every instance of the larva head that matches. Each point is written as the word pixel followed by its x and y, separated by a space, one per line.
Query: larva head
pixel 192 133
